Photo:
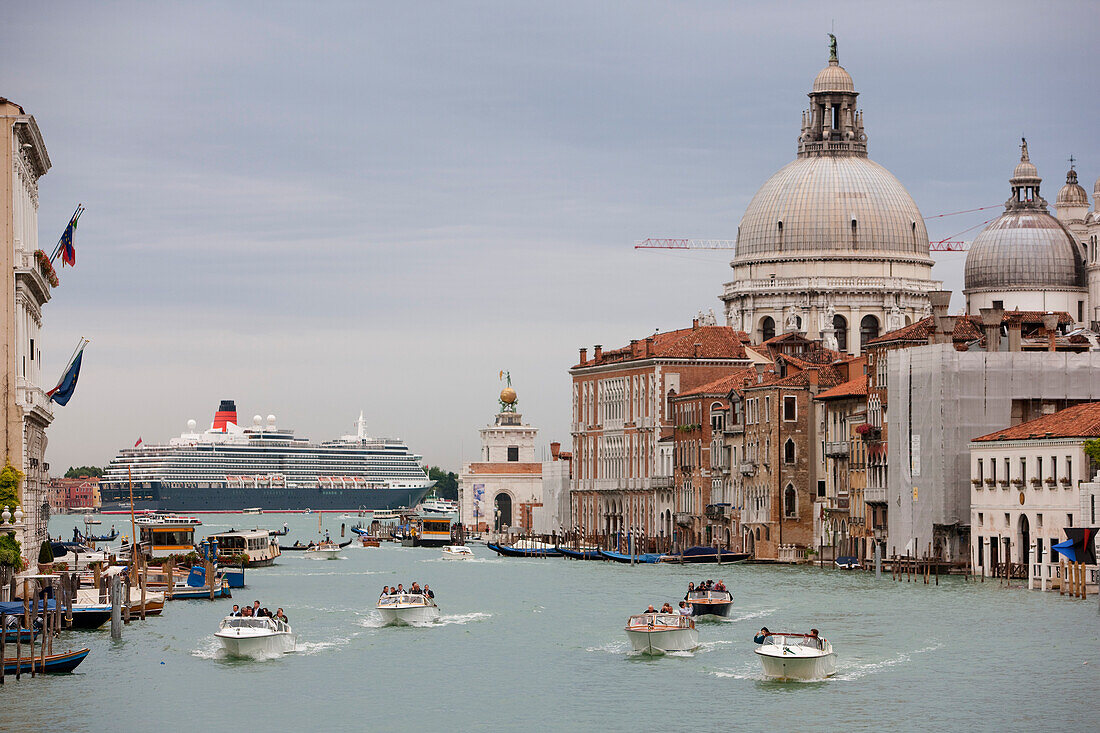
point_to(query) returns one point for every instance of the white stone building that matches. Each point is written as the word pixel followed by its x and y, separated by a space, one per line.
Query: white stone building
pixel 1026 488
pixel 831 245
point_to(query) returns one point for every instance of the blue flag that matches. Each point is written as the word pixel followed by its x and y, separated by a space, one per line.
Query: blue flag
pixel 63 392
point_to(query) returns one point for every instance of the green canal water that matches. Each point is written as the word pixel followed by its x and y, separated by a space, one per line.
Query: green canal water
pixel 526 643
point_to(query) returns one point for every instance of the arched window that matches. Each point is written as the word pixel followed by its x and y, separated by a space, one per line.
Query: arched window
pixel 767 328
pixel 788 451
pixel 868 329
pixel 790 502
pixel 840 325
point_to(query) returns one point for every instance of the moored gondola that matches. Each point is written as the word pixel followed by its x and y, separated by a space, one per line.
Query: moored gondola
pixel 706 555
pixel 511 551
pixel 645 557
pixel 580 554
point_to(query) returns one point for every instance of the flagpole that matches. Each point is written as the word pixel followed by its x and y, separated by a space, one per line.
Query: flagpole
pixel 72 222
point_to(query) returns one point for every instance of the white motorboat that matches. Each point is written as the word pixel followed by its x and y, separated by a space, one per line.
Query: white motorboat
pixel 797 657
pixel 433 505
pixel 253 510
pixel 255 636
pixel 326 550
pixel 407 609
pixel 660 633
pixel 457 552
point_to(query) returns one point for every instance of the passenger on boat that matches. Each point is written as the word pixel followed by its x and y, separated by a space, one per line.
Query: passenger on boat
pixel 236 610
pixel 255 608
pixel 667 608
pixel 385 591
pixel 720 586
pixel 428 593
pixel 651 609
pixel 400 589
pixel 691 589
pixel 764 633
pixel 282 616
pixel 685 608
pixel 415 588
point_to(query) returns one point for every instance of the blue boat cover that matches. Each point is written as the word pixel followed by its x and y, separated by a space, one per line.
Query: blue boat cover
pixel 15 608
pixel 197 578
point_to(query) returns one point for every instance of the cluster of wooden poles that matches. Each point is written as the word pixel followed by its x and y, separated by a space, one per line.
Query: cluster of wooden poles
pixel 62 588
pixel 1073 579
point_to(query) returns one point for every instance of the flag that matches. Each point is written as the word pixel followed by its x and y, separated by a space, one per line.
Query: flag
pixel 65 244
pixel 63 392
pixel 137 443
pixel 1080 545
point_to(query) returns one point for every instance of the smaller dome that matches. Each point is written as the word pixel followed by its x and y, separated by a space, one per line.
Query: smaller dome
pixel 508 396
pixel 1025 170
pixel 1072 194
pixel 833 78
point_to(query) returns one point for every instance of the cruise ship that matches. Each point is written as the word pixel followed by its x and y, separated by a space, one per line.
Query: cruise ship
pixel 229 468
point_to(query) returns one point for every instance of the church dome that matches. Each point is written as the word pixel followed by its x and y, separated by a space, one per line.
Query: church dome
pixel 834 78
pixel 1072 194
pixel 824 204
pixel 1025 248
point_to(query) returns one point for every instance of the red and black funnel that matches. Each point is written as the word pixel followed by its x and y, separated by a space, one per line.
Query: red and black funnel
pixel 227 413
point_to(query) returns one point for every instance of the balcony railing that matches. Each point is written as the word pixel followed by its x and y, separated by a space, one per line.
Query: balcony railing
pixel 838 503
pixel 838 449
pixel 683 519
pixel 661 482
pixel 718 511
pixel 874 495
pixel 748 469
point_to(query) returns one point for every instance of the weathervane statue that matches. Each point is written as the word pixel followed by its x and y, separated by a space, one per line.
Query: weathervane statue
pixel 508 397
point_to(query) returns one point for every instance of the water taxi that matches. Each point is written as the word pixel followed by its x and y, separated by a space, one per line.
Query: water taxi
pixel 796 657
pixel 326 550
pixel 457 552
pixel 660 633
pixel 166 535
pixel 255 636
pixel 258 544
pixel 428 532
pixel 710 602
pixel 407 609
pixel 253 510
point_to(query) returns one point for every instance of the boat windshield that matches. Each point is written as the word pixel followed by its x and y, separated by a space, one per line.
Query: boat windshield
pixel 709 595
pixel 789 640
pixel 672 620
pixel 415 599
pixel 253 622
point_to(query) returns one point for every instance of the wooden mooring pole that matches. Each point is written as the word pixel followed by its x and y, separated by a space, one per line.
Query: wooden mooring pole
pixel 116 605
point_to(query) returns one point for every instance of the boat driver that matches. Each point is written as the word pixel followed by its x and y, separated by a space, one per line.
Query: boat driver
pixel 764 633
pixel 815 639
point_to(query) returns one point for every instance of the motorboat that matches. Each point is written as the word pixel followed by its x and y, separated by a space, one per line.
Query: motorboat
pixel 255 544
pixel 253 510
pixel 327 550
pixel 660 633
pixel 434 505
pixel 796 657
pixel 457 552
pixel 255 636
pixel 407 609
pixel 847 562
pixel 710 602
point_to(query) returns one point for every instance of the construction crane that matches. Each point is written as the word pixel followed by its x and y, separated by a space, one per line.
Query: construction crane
pixel 943 245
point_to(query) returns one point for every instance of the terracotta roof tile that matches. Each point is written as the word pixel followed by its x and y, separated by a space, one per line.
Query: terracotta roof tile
pixel 1079 421
pixel 723 386
pixel 715 342
pixel 967 327
pixel 856 387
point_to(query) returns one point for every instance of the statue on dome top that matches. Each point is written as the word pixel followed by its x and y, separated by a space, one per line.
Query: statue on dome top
pixel 832 49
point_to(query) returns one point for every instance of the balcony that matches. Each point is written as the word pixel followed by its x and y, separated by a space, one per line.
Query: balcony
pixel 683 519
pixel 838 503
pixel 748 469
pixel 874 495
pixel 34 401
pixel 838 449
pixel 718 512
pixel 660 482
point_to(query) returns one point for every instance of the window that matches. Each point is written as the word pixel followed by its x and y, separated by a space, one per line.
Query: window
pixel 821 489
pixel 1008 471
pixel 1054 468
pixel 1000 304
pixel 981 552
pixel 1008 522
pixel 767 408
pixel 1023 469
pixel 868 329
pixel 1069 519
pixel 840 326
pixel 790 502
pixel 1039 521
pixel 993 469
pixel 513 453
pixel 1039 468
pixel 788 451
pixel 981 519
pixel 767 328
pixel 1069 468
pixel 981 470
pixel 790 408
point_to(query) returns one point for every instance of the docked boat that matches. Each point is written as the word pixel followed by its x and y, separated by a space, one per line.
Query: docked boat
pixel 704 554
pixel 407 609
pixel 428 532
pixel 515 551
pixel 257 545
pixel 645 557
pixel 585 554
pixel 435 505
pixel 167 534
pixel 50 663
pixel 710 602
pixel 326 550
pixel 457 552
pixel 387 515
pixel 660 633
pixel 796 657
pixel 230 466
pixel 847 562
pixel 255 636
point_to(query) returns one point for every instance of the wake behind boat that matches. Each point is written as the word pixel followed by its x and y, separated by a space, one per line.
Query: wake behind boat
pixel 659 633
pixel 255 636
pixel 796 657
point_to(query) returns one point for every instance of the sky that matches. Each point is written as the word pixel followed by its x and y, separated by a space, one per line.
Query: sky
pixel 321 208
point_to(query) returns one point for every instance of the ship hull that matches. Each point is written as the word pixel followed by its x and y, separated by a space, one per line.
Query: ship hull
pixel 158 497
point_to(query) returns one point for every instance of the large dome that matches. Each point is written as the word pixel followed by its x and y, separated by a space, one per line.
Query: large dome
pixel 1024 250
pixel 809 207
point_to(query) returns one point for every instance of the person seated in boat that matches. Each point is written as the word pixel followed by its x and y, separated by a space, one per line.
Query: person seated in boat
pixel 236 610
pixel 764 633
pixel 246 612
pixel 720 586
pixel 385 591
pixel 428 592
pixel 685 609
pixel 651 609
pixel 815 640
pixel 309 545
pixel 691 589
pixel 280 616
pixel 667 608
pixel 400 589
pixel 415 588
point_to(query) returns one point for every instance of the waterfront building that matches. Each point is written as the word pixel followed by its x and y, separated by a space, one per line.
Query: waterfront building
pixel 831 245
pixel 1026 259
pixel 29 278
pixel 508 487
pixel 73 493
pixel 621 413
pixel 1026 488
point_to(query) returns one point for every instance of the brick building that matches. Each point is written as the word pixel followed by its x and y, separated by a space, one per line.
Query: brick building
pixel 621 412
pixel 843 412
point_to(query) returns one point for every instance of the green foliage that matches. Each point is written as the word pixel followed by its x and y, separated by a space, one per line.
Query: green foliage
pixel 10 478
pixel 1092 449
pixel 446 482
pixel 81 471
pixel 11 554
pixel 45 553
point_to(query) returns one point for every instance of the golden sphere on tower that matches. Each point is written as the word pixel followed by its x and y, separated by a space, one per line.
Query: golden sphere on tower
pixel 508 396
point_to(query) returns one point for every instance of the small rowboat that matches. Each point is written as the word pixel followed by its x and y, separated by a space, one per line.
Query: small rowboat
pixel 21 636
pixel 796 657
pixel 407 609
pixel 54 664
pixel 660 633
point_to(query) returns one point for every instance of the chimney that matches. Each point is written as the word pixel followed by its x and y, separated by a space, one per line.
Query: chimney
pixel 694 324
pixel 760 372
pixel 598 352
pixel 1050 323
pixel 649 346
pixel 991 324
pixel 695 349
pixel 555 451
pixel 945 328
pixel 812 376
pixel 633 347
pixel 584 355
pixel 1015 338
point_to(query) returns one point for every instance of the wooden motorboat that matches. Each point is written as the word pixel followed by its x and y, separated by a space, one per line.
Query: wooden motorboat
pixel 660 633
pixel 326 550
pixel 710 602
pixel 407 609
pixel 796 657
pixel 53 663
pixel 255 636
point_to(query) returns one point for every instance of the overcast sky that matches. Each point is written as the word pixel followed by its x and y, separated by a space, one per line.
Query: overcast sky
pixel 316 208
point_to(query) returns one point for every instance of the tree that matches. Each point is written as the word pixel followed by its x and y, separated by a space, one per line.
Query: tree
pixel 446 482
pixel 45 553
pixel 10 478
pixel 1092 450
pixel 81 471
